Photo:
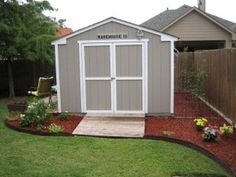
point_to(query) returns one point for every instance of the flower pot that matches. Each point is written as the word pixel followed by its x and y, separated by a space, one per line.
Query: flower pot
pixel 17 107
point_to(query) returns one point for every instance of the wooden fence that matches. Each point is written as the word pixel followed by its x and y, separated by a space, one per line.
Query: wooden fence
pixel 25 73
pixel 220 84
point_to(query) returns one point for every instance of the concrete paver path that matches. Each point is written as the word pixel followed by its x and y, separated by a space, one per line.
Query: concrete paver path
pixel 111 126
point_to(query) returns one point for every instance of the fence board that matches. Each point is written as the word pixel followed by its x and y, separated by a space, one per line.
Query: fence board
pixel 220 84
pixel 25 73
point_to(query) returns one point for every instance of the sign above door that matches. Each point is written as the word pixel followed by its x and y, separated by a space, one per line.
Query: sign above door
pixel 113 36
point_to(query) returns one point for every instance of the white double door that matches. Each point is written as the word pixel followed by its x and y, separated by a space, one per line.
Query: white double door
pixel 113 77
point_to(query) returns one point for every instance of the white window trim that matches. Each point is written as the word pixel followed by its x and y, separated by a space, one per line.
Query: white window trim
pixel 113 44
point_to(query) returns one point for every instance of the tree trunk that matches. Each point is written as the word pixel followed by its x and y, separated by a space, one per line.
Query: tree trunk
pixel 10 80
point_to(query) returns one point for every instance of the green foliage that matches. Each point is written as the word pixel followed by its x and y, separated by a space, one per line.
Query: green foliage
pixel 36 113
pixel 193 80
pixel 52 106
pixel 40 127
pixel 54 128
pixel 25 120
pixel 25 32
pixel 63 116
pixel 226 130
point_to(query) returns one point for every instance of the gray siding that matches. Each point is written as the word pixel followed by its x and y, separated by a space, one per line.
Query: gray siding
pixel 158 77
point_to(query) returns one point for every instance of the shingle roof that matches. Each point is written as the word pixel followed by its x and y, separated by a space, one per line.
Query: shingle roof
pixel 165 18
pixel 64 31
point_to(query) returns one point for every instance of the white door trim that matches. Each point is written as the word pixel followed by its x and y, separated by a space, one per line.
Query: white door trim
pixel 112 44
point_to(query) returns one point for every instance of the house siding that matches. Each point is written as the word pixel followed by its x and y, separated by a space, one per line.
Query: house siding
pixel 196 27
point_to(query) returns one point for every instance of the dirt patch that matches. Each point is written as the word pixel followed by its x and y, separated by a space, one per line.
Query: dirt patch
pixel 68 125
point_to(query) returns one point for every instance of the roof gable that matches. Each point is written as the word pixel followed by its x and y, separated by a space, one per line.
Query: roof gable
pixel 167 18
pixel 164 37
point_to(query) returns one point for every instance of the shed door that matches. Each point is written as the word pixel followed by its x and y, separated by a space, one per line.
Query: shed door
pixel 129 77
pixel 113 77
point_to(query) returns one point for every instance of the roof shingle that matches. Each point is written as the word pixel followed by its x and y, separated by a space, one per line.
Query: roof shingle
pixel 165 18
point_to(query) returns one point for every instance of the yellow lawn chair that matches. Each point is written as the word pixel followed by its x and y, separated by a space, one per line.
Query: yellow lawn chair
pixel 44 88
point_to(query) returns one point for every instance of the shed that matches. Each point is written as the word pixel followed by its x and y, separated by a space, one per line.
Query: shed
pixel 115 67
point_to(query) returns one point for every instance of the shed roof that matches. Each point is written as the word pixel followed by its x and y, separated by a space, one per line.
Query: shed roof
pixel 164 36
pixel 167 17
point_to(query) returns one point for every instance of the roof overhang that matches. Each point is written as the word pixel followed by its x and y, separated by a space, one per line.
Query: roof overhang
pixel 164 36
pixel 200 12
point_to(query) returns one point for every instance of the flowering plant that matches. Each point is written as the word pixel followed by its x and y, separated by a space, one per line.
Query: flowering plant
pixel 210 133
pixel 226 130
pixel 36 113
pixel 200 122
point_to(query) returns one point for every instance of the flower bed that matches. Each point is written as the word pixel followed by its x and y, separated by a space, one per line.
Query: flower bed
pixel 184 130
pixel 68 125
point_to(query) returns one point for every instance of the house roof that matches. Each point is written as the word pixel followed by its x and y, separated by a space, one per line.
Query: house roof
pixel 64 31
pixel 164 36
pixel 167 17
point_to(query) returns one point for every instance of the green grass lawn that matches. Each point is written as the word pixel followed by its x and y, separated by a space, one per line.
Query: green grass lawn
pixel 25 155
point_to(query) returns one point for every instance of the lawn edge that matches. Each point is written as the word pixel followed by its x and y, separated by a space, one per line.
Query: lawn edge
pixel 194 147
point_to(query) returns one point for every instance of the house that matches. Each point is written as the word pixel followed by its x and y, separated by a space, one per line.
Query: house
pixel 62 31
pixel 115 67
pixel 195 28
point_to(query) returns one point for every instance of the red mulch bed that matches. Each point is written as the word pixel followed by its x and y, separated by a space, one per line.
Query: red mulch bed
pixel 68 125
pixel 187 105
pixel 184 129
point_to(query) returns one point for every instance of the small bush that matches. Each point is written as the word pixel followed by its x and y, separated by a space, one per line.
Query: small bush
pixel 36 113
pixel 226 130
pixel 54 128
pixel 24 120
pixel 63 116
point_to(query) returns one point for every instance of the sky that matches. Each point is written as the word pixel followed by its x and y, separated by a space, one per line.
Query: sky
pixel 81 13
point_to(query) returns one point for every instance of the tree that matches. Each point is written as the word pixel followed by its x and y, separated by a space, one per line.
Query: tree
pixel 25 33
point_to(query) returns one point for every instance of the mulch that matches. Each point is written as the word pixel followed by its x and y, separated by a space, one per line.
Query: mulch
pixel 68 125
pixel 187 105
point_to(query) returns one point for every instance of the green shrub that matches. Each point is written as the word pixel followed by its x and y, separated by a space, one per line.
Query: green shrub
pixel 24 120
pixel 226 130
pixel 193 80
pixel 54 128
pixel 63 116
pixel 36 113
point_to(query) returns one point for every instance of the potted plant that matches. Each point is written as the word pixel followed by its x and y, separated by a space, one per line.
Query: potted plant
pixel 200 123
pixel 17 106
